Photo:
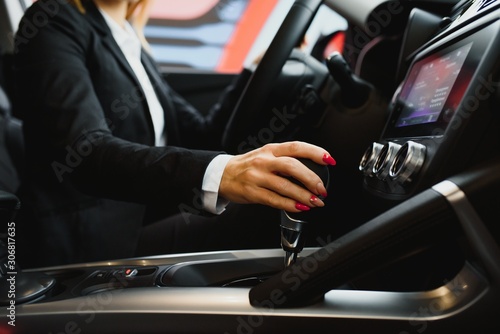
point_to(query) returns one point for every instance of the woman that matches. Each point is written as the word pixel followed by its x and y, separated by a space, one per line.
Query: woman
pixel 107 139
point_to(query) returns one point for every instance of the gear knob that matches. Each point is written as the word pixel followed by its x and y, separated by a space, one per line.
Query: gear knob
pixel 293 223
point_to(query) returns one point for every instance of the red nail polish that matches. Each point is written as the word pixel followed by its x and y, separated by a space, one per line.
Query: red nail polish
pixel 313 199
pixel 329 160
pixel 302 207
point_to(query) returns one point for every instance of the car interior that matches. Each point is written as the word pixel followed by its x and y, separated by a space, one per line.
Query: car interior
pixel 409 239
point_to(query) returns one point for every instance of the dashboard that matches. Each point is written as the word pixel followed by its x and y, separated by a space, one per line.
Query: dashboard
pixel 440 116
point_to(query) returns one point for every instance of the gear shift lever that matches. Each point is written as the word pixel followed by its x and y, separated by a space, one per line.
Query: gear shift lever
pixel 292 241
pixel 293 223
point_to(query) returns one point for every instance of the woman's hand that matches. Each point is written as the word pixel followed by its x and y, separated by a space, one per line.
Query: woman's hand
pixel 258 177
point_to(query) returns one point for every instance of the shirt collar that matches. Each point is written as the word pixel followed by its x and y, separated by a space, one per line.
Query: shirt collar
pixel 126 37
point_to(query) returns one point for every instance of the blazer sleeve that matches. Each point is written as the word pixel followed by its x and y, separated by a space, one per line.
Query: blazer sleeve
pixel 67 133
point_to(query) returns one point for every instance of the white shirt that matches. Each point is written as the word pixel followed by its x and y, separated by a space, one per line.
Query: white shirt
pixel 130 44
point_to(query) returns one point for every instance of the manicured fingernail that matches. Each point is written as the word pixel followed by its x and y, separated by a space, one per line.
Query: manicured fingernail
pixel 302 207
pixel 316 201
pixel 321 190
pixel 329 160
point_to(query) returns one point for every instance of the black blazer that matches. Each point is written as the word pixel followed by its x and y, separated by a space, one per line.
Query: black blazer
pixel 91 168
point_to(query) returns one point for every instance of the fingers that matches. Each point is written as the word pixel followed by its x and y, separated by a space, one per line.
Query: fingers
pixel 288 166
pixel 293 168
pixel 290 195
pixel 263 176
pixel 268 196
pixel 299 149
pixel 257 181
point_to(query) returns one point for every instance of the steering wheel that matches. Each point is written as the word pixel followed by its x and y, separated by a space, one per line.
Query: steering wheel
pixel 251 102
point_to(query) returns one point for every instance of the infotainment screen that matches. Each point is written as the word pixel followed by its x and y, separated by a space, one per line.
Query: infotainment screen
pixel 434 90
pixel 438 88
pixel 429 84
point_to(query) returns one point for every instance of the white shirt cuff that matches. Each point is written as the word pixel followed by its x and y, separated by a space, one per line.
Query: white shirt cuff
pixel 211 182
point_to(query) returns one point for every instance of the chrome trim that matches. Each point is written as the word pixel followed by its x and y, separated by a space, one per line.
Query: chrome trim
pixel 291 231
pixel 291 237
pixel 475 230
pixel 170 259
pixel 407 162
pixel 385 159
pixel 369 157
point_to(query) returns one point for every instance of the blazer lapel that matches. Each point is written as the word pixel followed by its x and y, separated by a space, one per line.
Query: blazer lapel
pixel 95 18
